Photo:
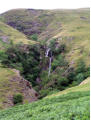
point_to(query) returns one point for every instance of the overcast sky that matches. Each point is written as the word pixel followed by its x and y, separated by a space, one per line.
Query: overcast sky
pixel 43 4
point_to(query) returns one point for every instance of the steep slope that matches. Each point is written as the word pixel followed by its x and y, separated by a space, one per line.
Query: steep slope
pixel 83 86
pixel 73 105
pixel 26 20
pixel 8 35
pixel 68 26
pixel 11 83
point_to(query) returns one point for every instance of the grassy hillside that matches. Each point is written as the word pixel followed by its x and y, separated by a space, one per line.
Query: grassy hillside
pixel 83 86
pixel 8 88
pixel 8 35
pixel 71 27
pixel 11 83
pixel 68 26
pixel 67 33
pixel 73 105
pixel 5 75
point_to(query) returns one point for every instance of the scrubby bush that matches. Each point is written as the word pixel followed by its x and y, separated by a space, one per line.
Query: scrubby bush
pixel 3 55
pixel 74 83
pixel 81 67
pixel 79 77
pixel 17 98
pixel 44 92
pixel 52 44
pixel 71 76
pixel 59 61
pixel 34 37
pixel 62 82
pixel 25 61
pixel 87 73
pixel 82 72
pixel 44 78
pixel 60 49
pixel 56 48
pixel 79 74
pixel 55 64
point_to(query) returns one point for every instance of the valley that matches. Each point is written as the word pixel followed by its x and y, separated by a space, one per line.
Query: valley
pixel 45 64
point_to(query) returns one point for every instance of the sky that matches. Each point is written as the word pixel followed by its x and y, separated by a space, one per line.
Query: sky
pixel 6 5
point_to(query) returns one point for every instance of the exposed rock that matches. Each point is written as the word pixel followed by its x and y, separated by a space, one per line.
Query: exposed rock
pixel 19 85
pixel 70 38
pixel 4 39
pixel 83 18
pixel 38 80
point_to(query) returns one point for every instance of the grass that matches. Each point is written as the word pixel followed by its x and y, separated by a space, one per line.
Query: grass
pixel 12 35
pixel 71 106
pixel 5 75
pixel 60 24
pixel 69 28
pixel 84 86
pixel 6 86
pixel 78 29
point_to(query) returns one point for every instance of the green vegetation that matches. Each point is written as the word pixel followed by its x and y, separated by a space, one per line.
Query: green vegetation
pixel 84 86
pixel 80 77
pixel 56 47
pixel 25 61
pixel 73 105
pixel 34 37
pixel 28 63
pixel 59 61
pixel 5 85
pixel 64 93
pixel 70 27
pixel 9 34
pixel 17 98
pixel 62 74
pixel 81 72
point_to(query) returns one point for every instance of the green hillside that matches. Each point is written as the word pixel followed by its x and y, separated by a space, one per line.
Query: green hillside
pixel 73 105
pixel 8 35
pixel 83 86
pixel 69 26
pixel 44 57
pixel 8 88
pixel 5 75
pixel 11 83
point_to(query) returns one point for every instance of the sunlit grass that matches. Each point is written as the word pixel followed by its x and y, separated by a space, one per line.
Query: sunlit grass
pixel 13 35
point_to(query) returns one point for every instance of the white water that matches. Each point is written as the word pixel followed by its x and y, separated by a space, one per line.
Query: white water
pixel 49 66
pixel 50 59
pixel 47 52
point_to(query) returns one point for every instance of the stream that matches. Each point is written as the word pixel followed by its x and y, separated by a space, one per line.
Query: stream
pixel 49 54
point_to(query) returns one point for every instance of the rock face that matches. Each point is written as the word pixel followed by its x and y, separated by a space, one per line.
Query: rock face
pixel 19 85
pixel 4 39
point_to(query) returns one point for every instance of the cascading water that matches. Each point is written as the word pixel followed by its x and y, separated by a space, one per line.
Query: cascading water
pixel 49 66
pixel 49 54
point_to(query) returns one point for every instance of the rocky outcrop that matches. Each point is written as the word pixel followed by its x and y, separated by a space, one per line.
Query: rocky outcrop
pixel 19 85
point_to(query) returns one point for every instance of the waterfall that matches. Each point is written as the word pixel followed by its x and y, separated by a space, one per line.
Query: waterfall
pixel 49 66
pixel 49 54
